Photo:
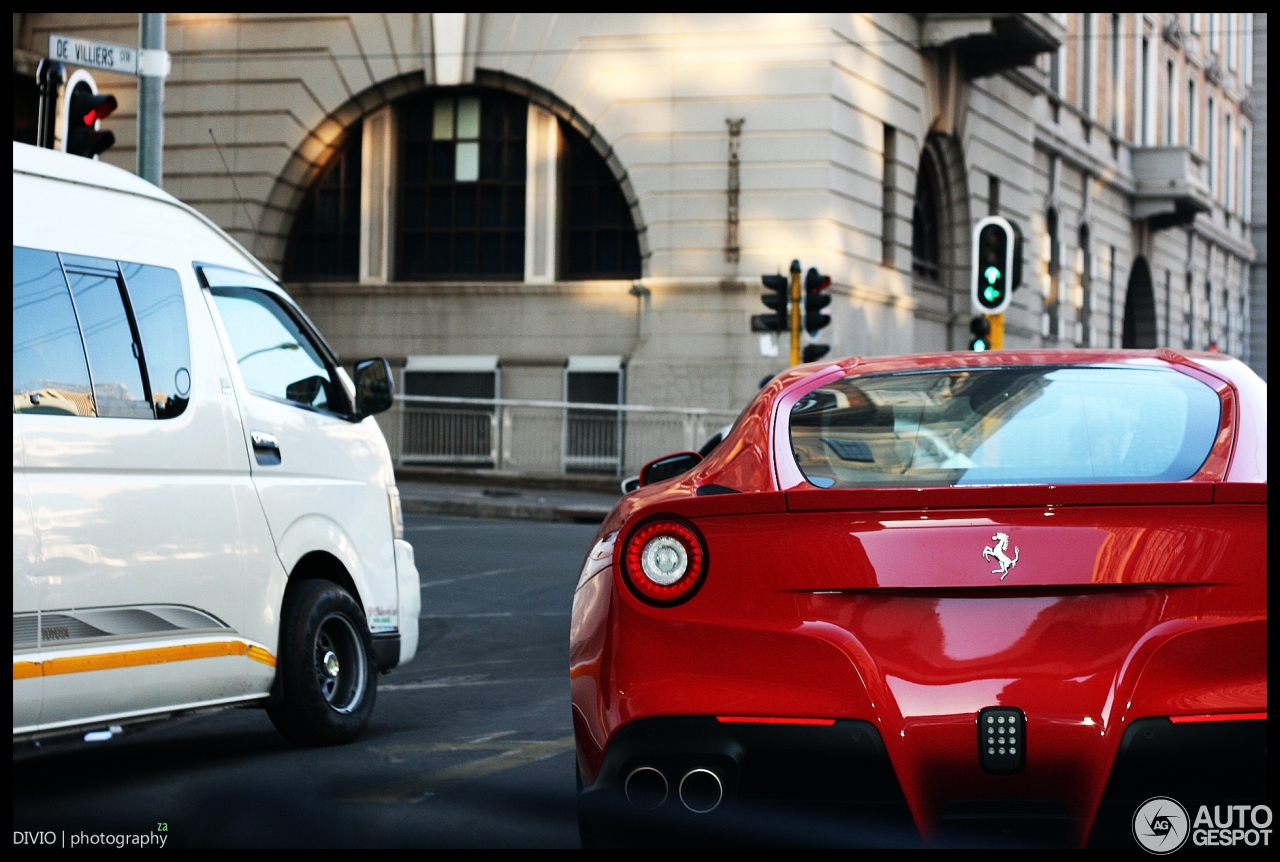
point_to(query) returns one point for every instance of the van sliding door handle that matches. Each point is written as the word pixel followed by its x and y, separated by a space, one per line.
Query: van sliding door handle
pixel 265 448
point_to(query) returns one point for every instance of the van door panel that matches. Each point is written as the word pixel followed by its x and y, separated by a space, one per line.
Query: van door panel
pixel 27 685
pixel 143 511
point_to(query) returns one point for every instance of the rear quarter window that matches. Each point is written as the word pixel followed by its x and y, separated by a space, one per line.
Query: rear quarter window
pixel 1017 425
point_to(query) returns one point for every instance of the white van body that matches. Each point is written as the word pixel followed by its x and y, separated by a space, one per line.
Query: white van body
pixel 151 556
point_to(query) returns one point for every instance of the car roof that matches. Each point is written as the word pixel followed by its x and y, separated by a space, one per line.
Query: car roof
pixel 42 162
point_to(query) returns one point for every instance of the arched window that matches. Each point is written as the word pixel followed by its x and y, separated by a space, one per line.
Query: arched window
pixel 462 188
pixel 599 235
pixel 325 243
pixel 925 252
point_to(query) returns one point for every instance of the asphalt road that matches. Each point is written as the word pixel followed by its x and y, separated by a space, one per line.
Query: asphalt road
pixel 470 744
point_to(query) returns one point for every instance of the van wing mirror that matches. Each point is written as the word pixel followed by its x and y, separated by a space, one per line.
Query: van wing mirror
pixel 668 466
pixel 373 387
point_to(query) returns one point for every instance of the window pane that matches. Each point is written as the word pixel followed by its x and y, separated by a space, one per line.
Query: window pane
pixel 49 370
pixel 156 296
pixel 1031 425
pixel 275 356
pixel 442 126
pixel 465 212
pixel 467 168
pixel 491 206
pixel 464 253
pixel 415 209
pixel 491 160
pixel 490 253
pixel 442 162
pixel 514 261
pixel 113 364
pixel 468 118
pixel 442 207
pixel 440 254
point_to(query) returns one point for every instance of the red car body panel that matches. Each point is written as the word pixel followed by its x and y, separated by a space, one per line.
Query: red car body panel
pixel 1129 601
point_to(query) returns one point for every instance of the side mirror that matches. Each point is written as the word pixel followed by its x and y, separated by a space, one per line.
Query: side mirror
pixel 630 484
pixel 373 387
pixel 668 466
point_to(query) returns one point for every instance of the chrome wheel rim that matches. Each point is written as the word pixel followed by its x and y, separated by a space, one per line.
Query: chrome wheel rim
pixel 341 664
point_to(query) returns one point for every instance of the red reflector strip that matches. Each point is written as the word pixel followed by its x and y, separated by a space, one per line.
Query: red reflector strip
pixel 1222 716
pixel 770 719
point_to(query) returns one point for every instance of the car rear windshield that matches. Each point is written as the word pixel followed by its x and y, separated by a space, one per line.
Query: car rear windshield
pixel 1005 426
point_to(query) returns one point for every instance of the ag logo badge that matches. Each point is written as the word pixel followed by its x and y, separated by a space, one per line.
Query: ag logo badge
pixel 1160 825
pixel 997 553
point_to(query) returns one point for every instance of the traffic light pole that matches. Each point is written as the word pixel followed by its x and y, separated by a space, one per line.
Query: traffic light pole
pixel 151 98
pixel 997 330
pixel 795 312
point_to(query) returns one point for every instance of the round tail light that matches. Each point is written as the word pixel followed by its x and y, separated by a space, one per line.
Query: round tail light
pixel 664 561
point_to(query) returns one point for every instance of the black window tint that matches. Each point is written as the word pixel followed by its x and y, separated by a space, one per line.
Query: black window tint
pixel 156 296
pixel 118 387
pixel 49 370
pixel 275 356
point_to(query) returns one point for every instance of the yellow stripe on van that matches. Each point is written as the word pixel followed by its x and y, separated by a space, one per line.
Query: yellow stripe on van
pixel 26 669
pixel 259 654
pixel 139 658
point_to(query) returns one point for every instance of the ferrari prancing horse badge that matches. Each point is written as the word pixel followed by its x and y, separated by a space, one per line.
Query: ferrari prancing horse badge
pixel 997 553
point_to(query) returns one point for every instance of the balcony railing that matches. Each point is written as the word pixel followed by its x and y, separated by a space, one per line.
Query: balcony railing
pixel 544 437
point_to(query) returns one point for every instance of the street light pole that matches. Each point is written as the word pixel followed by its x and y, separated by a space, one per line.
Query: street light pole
pixel 151 74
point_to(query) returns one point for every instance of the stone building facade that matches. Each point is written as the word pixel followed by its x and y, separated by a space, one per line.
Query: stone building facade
pixel 544 192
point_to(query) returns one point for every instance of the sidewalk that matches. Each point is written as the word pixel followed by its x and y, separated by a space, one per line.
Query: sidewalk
pixel 497 501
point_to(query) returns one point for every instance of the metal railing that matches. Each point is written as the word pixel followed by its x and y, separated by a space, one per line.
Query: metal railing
pixel 542 437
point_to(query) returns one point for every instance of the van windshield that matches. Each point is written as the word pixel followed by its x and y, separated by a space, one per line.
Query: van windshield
pixel 997 426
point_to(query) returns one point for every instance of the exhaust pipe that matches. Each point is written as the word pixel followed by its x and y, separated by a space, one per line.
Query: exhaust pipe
pixel 646 788
pixel 701 790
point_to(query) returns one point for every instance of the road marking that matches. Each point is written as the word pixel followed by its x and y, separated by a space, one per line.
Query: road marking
pixel 463 616
pixel 511 754
pixel 447 682
pixel 487 574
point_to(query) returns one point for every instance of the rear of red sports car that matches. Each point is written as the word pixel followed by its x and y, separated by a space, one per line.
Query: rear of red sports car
pixel 994 598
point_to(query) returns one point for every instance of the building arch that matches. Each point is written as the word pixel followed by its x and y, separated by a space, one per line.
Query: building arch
pixel 317 152
pixel 1139 308
pixel 941 173
pixel 322 147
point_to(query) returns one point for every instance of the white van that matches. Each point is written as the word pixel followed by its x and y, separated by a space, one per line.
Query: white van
pixel 204 509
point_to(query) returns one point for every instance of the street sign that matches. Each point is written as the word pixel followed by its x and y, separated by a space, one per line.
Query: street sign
pixel 109 56
pixel 95 55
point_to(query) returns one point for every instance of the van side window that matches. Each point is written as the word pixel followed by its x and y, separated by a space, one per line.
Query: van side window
pixel 156 296
pixel 50 374
pixel 114 352
pixel 275 356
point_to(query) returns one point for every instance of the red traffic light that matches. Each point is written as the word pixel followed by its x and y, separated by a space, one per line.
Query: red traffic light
pixel 88 107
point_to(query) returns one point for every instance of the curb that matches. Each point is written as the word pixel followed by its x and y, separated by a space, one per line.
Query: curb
pixel 505 511
pixel 503 479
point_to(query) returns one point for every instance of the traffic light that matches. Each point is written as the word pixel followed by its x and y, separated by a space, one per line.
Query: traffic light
pixel 816 298
pixel 86 109
pixel 814 352
pixel 778 287
pixel 981 329
pixel 992 278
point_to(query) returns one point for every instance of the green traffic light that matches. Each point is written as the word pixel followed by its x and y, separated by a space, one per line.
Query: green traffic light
pixel 990 294
pixel 992 274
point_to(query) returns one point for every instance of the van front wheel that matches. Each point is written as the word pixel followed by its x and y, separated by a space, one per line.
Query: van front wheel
pixel 326 666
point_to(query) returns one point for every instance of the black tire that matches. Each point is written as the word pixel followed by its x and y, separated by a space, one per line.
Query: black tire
pixel 328 678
